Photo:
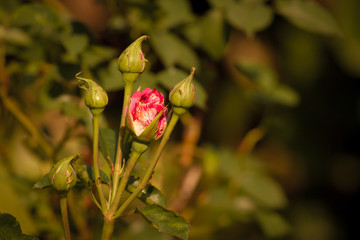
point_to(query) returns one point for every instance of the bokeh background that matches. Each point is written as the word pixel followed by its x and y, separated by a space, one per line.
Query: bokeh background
pixel 270 150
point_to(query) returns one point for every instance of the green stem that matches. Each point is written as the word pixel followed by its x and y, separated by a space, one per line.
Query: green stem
pixel 137 150
pixel 152 166
pixel 118 159
pixel 108 229
pixel 96 118
pixel 64 215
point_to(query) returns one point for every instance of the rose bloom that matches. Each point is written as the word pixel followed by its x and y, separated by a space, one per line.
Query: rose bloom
pixel 143 108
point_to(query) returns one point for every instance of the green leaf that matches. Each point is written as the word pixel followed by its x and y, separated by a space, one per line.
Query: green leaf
pixel 208 33
pixel 36 14
pixel 263 189
pixel 174 12
pixel 15 36
pixel 43 183
pixel 153 195
pixel 74 45
pixel 213 34
pixel 108 139
pixel 171 76
pixel 111 77
pixel 250 16
pixel 309 16
pixel 172 50
pixel 269 89
pixel 221 3
pixel 10 228
pixel 273 224
pixel 97 54
pixel 285 95
pixel 146 80
pixel 166 221
pixel 150 195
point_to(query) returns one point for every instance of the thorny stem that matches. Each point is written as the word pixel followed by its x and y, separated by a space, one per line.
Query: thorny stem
pixel 151 168
pixel 64 215
pixel 99 188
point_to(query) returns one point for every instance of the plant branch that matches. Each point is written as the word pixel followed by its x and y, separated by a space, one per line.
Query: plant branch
pixel 64 215
pixel 108 229
pixel 118 159
pixel 134 157
pixel 98 185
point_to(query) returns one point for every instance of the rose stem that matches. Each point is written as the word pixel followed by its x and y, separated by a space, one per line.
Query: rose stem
pixel 96 118
pixel 64 216
pixel 151 168
pixel 134 157
pixel 118 159
pixel 108 229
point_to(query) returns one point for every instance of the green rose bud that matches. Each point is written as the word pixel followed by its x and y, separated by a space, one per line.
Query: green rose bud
pixel 95 97
pixel 62 176
pixel 182 95
pixel 132 60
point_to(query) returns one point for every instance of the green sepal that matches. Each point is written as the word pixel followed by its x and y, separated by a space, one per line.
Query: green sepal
pixel 43 182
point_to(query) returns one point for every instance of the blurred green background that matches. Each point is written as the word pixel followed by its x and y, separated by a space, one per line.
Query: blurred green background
pixel 270 151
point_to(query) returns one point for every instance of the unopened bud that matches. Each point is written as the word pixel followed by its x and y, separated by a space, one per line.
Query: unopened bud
pixel 182 95
pixel 62 176
pixel 95 97
pixel 132 60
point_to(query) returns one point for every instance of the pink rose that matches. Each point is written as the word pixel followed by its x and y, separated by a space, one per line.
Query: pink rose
pixel 146 114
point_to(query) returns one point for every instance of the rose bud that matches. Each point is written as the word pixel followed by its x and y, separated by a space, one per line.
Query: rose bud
pixel 132 60
pixel 182 95
pixel 95 97
pixel 62 175
pixel 146 115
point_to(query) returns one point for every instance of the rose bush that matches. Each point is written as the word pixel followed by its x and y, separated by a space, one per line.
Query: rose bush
pixel 146 114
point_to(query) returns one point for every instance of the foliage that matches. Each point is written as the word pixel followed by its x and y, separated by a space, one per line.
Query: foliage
pixel 240 101
pixel 10 228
